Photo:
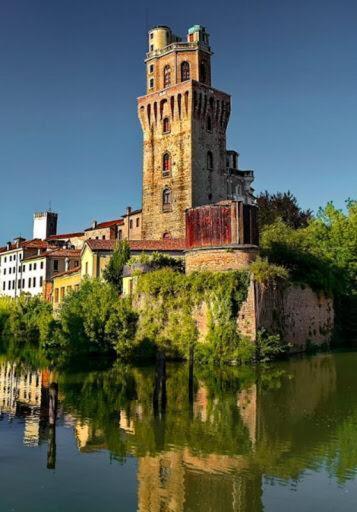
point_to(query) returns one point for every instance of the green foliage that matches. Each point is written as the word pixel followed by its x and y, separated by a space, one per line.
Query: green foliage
pixel 167 301
pixel 323 254
pixel 265 272
pixel 93 320
pixel 5 310
pixel 156 260
pixel 269 346
pixel 281 206
pixel 29 320
pixel 114 271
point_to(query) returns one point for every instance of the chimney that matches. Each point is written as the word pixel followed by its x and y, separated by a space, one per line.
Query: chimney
pixel 128 210
pixel 94 224
pixel 8 246
pixel 66 264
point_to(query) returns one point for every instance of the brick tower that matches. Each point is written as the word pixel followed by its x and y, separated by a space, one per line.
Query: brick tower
pixel 184 122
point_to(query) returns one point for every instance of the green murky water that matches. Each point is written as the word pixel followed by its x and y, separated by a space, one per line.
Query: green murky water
pixel 125 439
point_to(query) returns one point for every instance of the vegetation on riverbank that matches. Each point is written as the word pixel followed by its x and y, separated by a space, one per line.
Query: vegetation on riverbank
pixel 163 313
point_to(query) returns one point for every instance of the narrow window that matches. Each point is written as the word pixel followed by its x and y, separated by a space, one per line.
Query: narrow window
pixel 166 164
pixel 151 83
pixel 120 234
pixel 166 199
pixel 137 222
pixel 203 73
pixel 34 282
pixel 166 235
pixel 209 160
pixel 41 281
pixel 55 265
pixel 151 68
pixel 166 125
pixel 185 71
pixel 131 223
pixel 167 76
pixel 209 124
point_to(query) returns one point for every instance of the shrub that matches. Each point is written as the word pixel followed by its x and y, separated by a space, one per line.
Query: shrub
pixel 265 272
pixel 93 320
pixel 113 273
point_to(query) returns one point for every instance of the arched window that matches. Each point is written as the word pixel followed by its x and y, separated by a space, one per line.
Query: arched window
pixel 203 73
pixel 167 76
pixel 185 71
pixel 209 160
pixel 166 199
pixel 166 235
pixel 209 124
pixel 166 125
pixel 166 164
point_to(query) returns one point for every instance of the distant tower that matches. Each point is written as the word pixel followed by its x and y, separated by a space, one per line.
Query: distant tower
pixel 184 121
pixel 44 224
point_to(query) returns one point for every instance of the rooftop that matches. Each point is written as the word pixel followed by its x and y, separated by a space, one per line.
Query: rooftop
pixel 139 245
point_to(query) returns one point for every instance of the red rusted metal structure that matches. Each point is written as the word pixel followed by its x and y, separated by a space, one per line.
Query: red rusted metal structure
pixel 222 224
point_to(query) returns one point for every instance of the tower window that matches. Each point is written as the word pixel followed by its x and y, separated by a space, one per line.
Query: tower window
pixel 151 83
pixel 166 164
pixel 167 76
pixel 209 124
pixel 151 68
pixel 166 125
pixel 209 161
pixel 166 199
pixel 151 47
pixel 185 71
pixel 203 73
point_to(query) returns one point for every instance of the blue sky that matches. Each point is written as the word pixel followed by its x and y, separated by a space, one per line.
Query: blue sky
pixel 70 72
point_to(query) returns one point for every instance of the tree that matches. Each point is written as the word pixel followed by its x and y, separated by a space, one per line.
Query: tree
pixel 284 206
pixel 113 274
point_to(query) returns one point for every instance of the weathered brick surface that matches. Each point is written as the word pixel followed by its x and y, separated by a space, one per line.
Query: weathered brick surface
pixel 298 314
pixel 219 259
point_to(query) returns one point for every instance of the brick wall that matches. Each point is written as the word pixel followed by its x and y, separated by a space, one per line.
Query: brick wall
pixel 219 259
pixel 298 313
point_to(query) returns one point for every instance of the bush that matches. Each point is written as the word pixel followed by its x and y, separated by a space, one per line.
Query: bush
pixel 93 320
pixel 156 261
pixel 265 272
pixel 113 273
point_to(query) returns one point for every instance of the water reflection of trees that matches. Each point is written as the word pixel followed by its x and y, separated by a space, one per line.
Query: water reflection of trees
pixel 208 444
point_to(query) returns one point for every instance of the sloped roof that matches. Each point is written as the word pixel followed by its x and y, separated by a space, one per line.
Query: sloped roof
pixel 106 224
pixel 139 245
pixel 66 235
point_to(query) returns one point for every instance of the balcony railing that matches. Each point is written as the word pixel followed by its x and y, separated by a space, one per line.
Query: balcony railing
pixel 176 46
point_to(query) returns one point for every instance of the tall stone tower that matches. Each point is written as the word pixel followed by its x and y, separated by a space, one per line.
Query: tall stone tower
pixel 184 121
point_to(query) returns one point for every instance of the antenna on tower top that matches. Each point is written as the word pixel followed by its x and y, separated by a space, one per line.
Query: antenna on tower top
pixel 50 205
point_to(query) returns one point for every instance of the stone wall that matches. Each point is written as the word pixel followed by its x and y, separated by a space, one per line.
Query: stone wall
pixel 299 314
pixel 220 258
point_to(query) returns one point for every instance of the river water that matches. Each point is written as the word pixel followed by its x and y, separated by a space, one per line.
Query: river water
pixel 275 438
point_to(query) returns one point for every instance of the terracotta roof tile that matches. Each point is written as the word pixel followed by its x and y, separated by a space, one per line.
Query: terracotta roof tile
pixel 56 253
pixel 107 224
pixel 66 235
pixel 68 272
pixel 139 245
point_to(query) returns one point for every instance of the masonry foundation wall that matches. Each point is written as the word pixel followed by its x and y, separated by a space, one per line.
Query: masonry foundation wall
pixel 297 313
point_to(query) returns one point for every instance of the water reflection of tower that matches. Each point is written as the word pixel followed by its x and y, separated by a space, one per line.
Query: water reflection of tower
pixel 180 480
pixel 22 394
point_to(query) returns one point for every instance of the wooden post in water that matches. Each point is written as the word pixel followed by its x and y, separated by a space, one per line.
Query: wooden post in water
pixel 159 394
pixel 190 379
pixel 52 416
